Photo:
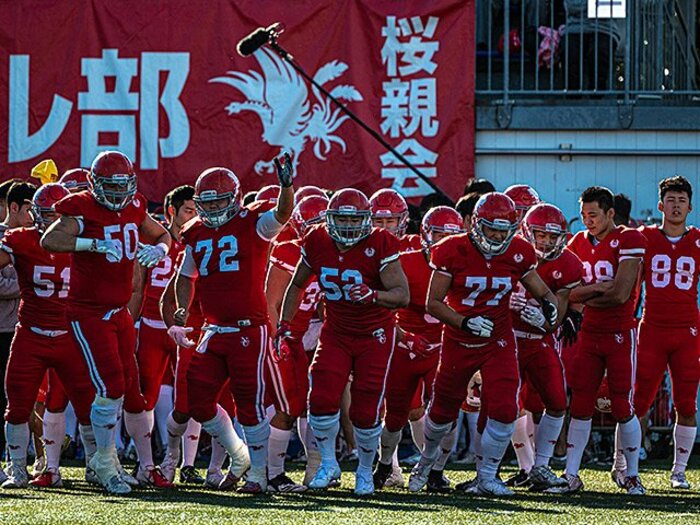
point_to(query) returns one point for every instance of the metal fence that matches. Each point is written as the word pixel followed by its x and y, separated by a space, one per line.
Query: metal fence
pixel 551 48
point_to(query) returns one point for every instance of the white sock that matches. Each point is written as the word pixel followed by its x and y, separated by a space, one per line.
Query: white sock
pixel 325 430
pixel 162 410
pixel 521 444
pixel 576 441
pixel 472 424
pixel 494 443
pixel 631 442
pixel 257 438
pixel 367 440
pixel 218 456
pixel 302 427
pixel 446 446
pixel 434 433
pixel 175 431
pixel 683 442
pixel 87 436
pixel 71 422
pixel 54 433
pixel 388 445
pixel 190 443
pixel 418 432
pixel 220 428
pixel 139 426
pixel 546 437
pixel 105 416
pixel 619 461
pixel 17 437
pixel 530 430
pixel 477 451
pixel 277 451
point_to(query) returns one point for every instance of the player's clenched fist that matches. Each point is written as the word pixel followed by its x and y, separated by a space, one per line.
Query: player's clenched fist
pixel 361 293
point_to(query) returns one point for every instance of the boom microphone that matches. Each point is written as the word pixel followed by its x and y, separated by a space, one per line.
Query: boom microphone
pixel 258 38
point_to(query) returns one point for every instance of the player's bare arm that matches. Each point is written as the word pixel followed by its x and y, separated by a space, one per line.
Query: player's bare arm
pixel 275 285
pixel 585 292
pixel 167 302
pixel 62 235
pixel 293 295
pixel 622 285
pixel 437 291
pixel 394 280
pixel 285 202
pixel 138 283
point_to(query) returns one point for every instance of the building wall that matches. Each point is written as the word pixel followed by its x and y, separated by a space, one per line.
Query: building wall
pixel 561 182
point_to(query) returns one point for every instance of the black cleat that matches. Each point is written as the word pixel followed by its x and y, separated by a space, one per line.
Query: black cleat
pixel 437 482
pixel 521 479
pixel 190 476
pixel 381 474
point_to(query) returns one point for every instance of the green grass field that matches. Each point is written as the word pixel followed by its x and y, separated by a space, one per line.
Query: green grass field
pixel 79 503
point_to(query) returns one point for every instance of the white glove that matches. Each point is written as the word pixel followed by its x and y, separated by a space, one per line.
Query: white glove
pixel 480 326
pixel 533 316
pixel 517 301
pixel 179 335
pixel 149 255
pixel 112 248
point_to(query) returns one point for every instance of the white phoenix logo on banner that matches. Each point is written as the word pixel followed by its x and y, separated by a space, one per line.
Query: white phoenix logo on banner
pixel 281 99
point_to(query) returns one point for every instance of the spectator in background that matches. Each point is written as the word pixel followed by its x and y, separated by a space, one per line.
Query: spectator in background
pixel 623 208
pixel 479 186
pixel 432 200
pixel 16 198
pixel 465 207
pixel 587 42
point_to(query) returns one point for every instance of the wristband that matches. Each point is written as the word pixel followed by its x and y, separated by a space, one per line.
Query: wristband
pixel 85 245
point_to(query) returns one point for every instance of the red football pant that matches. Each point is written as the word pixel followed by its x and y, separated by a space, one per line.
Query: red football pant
pixel 155 350
pixel 499 372
pixel 367 357
pixel 676 348
pixel 108 345
pixel 31 355
pixel 404 391
pixel 238 356
pixel 542 376
pixel 616 352
pixel 290 380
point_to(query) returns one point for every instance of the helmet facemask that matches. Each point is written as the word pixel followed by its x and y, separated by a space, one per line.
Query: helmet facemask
pixel 489 246
pixel 348 233
pixel 219 217
pixel 120 193
pixel 546 253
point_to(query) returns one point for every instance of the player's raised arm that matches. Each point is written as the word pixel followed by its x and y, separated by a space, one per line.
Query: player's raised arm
pixel 285 202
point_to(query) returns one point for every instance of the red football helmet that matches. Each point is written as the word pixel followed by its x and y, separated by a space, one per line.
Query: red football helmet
pixel 112 180
pixel 388 203
pixel 549 219
pixel 307 191
pixel 524 197
pixel 75 180
pixel 497 212
pixel 441 219
pixel 268 193
pixel 310 210
pixel 43 202
pixel 216 184
pixel 346 205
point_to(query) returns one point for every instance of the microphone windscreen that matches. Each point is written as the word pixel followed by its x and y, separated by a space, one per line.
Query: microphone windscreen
pixel 254 41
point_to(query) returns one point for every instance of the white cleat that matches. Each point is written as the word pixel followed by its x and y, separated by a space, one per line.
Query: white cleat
pixel 542 478
pixel 213 479
pixel 493 487
pixel 679 482
pixel 634 487
pixel 325 475
pixel 618 477
pixel 395 479
pixel 168 467
pixel 108 475
pixel 364 483
pixel 573 484
pixel 419 474
pixel 39 466
pixel 18 477
pixel 3 476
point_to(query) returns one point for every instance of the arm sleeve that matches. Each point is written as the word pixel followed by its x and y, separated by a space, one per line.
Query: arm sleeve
pixel 267 225
pixel 188 266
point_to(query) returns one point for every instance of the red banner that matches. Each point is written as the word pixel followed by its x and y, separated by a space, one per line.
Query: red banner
pixel 161 81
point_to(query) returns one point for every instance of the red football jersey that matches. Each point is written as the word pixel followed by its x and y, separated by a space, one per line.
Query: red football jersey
pixel 671 278
pixel 286 256
pixel 600 263
pixel 410 242
pixel 231 261
pixel 157 279
pixel 43 278
pixel 414 318
pixel 481 286
pixel 100 284
pixel 288 233
pixel 566 271
pixel 337 272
